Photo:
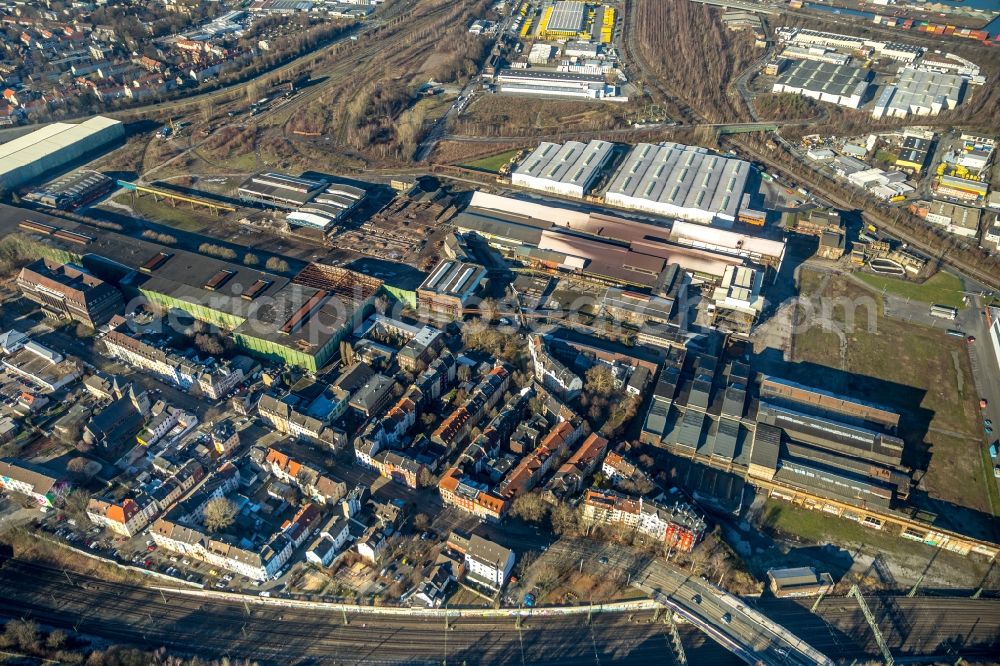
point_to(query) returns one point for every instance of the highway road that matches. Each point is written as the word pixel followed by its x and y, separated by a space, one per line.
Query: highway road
pixel 130 614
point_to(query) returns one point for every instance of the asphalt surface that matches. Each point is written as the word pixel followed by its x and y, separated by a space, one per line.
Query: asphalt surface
pixel 130 614
pixel 985 371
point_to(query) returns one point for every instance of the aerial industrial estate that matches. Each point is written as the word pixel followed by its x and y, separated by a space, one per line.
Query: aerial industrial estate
pixel 511 332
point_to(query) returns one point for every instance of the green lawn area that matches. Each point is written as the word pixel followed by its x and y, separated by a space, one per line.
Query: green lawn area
pixel 818 527
pixel 491 163
pixel 941 288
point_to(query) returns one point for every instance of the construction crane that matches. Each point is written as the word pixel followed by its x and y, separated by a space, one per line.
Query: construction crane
pixel 856 593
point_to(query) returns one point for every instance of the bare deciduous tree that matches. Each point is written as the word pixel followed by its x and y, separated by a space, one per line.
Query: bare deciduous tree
pixel 219 514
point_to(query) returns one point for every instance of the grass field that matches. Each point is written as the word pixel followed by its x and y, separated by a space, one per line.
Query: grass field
pixel 916 558
pixel 819 527
pixel 941 288
pixel 491 163
pixel 910 369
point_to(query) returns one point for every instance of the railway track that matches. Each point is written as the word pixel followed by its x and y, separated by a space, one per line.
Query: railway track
pixel 135 615
pixel 891 228
pixel 917 625
pixel 400 24
pixel 132 614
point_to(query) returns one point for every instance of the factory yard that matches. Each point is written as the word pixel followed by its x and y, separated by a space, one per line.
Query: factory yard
pixel 911 368
pixel 941 288
pixel 898 561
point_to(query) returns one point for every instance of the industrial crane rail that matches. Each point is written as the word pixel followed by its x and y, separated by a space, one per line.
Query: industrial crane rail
pixel 173 196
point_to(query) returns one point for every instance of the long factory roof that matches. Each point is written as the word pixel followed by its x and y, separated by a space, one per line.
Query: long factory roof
pixel 303 311
pixel 921 89
pixel 682 176
pixel 572 163
pixel 50 140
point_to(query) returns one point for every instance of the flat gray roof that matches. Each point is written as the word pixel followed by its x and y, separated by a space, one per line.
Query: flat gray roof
pixel 280 188
pixel 453 278
pixel 824 77
pixel 58 140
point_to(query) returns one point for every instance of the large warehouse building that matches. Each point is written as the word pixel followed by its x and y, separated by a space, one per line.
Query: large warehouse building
pixel 72 190
pixel 919 93
pixel 843 85
pixel 569 169
pixel 675 180
pixel 279 190
pixel 565 18
pixel 54 146
pixel 450 286
pixel 299 321
pixel 555 83
pixel 799 439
